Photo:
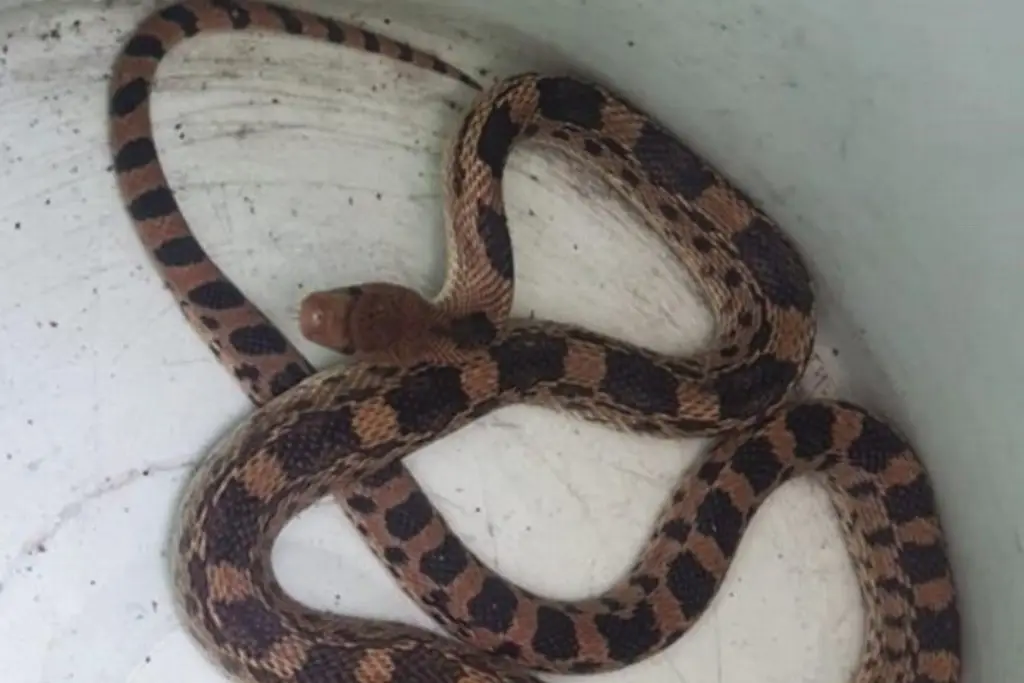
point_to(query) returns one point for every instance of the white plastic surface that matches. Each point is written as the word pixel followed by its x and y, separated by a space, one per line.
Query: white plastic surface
pixel 304 166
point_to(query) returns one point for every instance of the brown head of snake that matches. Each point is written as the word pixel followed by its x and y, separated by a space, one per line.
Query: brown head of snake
pixel 372 322
pixel 344 431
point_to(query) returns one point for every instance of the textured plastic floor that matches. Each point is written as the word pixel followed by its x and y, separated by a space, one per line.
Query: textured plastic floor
pixel 304 166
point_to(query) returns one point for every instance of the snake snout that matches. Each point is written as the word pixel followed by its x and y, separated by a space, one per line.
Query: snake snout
pixel 322 317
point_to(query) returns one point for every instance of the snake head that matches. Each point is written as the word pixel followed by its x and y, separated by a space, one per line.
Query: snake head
pixel 364 319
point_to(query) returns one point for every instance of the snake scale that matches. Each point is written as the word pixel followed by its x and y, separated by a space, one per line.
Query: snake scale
pixel 423 369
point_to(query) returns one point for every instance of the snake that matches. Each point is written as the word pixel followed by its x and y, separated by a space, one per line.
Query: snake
pixel 424 368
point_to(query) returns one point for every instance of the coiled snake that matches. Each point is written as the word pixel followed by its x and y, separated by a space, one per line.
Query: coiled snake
pixel 425 369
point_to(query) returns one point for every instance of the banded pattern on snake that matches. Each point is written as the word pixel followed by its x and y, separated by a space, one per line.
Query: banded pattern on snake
pixel 424 369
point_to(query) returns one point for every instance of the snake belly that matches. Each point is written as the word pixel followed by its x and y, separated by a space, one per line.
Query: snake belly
pixel 764 307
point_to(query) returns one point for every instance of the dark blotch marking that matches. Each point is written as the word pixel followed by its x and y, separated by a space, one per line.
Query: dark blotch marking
pixel 702 244
pixel 906 502
pixel 438 599
pixel 135 154
pixel 776 266
pixel 692 585
pixel 924 563
pixel 218 295
pixel 492 227
pixel 615 147
pixel 408 518
pixel 395 556
pixel 182 17
pixel 811 426
pixel 472 330
pixel 496 137
pixel 729 351
pixel 938 630
pixel 755 460
pixel 529 359
pixel 630 638
pixel 370 41
pixel 179 252
pixel 444 563
pixel 745 319
pixel 632 179
pixel 292 374
pixel 249 625
pixel 570 101
pixel 707 473
pixel 507 649
pixel 383 475
pixel 384 371
pixel 361 503
pixel 864 489
pixel 335 33
pixel 668 211
pixel 247 373
pixel 405 52
pixel 156 203
pixel 881 537
pixel 258 340
pixel 233 525
pixel 593 148
pixel 733 279
pixel 239 16
pixel 570 390
pixel 555 635
pixel 640 383
pixel 494 607
pixel 645 583
pixel 875 446
pixel 720 519
pixel 287 18
pixel 209 323
pixel 670 164
pixel 428 400
pixel 676 529
pixel 439 66
pixel 759 340
pixel 612 604
pixel 314 441
pixel 754 387
pixel 894 620
pixel 896 587
pixel 647 427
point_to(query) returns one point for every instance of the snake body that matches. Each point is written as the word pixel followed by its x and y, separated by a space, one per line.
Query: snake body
pixel 426 368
